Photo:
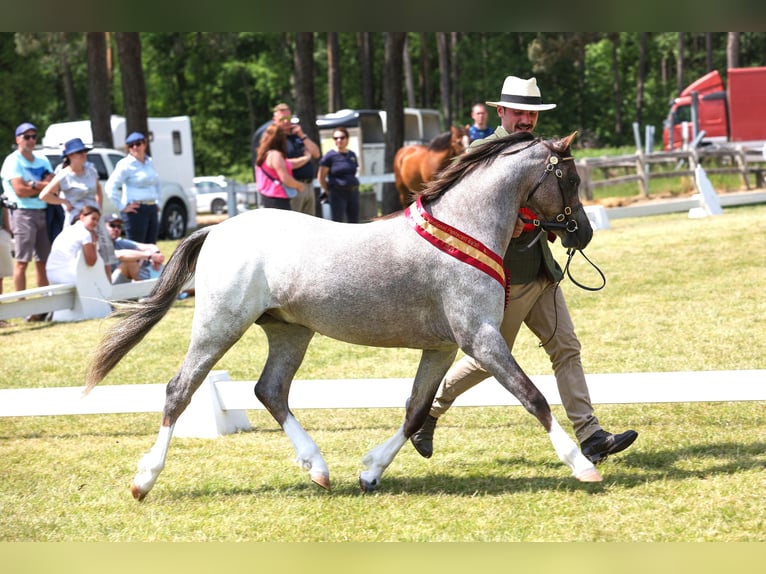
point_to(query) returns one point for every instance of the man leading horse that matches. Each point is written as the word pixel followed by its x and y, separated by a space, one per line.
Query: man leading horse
pixel 534 299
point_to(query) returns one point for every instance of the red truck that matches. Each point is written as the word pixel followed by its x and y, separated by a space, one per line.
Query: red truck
pixel 736 115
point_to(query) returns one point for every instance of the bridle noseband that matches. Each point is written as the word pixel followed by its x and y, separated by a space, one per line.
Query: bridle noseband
pixel 562 220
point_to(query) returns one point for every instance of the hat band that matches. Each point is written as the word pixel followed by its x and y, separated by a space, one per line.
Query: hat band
pixel 530 100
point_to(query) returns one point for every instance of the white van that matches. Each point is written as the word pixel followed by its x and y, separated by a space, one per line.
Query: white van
pixel 170 143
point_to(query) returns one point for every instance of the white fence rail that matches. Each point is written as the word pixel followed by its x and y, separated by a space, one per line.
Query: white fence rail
pixel 219 406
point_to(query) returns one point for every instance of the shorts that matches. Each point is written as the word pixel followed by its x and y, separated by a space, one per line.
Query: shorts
pixel 6 259
pixel 30 230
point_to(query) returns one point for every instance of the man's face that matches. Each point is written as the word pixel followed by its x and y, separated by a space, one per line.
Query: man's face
pixel 517 120
pixel 282 117
pixel 27 140
pixel 479 116
pixel 115 229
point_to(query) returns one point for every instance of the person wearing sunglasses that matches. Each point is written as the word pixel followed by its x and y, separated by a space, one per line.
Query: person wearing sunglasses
pixel 136 261
pixel 338 170
pixel 24 174
pixel 134 187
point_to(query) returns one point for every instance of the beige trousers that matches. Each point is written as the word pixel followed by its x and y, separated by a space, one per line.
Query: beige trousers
pixel 541 306
pixel 304 202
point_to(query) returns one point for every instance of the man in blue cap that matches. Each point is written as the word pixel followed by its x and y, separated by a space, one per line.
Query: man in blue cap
pixel 24 174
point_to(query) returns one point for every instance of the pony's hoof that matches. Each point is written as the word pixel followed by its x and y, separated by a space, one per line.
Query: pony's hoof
pixel 590 475
pixel 321 479
pixel 137 493
pixel 368 485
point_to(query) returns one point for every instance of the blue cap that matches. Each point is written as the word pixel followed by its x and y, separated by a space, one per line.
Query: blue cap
pixel 134 137
pixel 25 127
pixel 73 146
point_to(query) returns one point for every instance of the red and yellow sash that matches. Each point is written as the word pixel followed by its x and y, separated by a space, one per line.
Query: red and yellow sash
pixel 456 243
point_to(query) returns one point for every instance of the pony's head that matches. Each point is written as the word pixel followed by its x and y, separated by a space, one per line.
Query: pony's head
pixel 555 196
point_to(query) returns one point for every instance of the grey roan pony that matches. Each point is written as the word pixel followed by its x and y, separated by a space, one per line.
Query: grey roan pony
pixel 428 278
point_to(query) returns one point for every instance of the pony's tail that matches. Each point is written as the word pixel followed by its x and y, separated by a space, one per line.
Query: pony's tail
pixel 142 316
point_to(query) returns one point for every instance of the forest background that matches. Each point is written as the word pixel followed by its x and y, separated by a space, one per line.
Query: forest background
pixel 228 82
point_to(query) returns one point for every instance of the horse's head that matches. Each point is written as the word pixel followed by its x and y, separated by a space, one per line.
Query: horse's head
pixel 457 141
pixel 555 196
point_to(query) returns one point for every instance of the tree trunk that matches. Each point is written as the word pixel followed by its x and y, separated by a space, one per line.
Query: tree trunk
pixel 616 88
pixel 425 72
pixel 454 79
pixel 334 97
pixel 133 88
pixel 366 58
pixel 732 50
pixel 442 46
pixel 680 63
pixel 394 106
pixel 408 81
pixel 641 76
pixel 305 101
pixel 69 95
pixel 708 51
pixel 99 89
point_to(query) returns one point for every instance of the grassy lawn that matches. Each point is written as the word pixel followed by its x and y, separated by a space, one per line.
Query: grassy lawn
pixel 681 294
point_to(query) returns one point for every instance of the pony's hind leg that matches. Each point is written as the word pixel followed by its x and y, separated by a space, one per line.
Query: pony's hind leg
pixel 287 347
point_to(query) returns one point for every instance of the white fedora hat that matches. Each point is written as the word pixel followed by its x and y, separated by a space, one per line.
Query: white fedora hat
pixel 521 94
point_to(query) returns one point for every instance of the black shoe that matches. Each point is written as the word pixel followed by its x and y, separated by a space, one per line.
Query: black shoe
pixel 601 444
pixel 423 438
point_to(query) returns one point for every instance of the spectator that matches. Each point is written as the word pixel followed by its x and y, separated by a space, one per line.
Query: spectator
pixel 78 237
pixel 22 173
pixel 534 299
pixel 6 248
pixel 135 261
pixel 273 173
pixel 77 180
pixel 139 200
pixel 479 129
pixel 337 177
pixel 298 144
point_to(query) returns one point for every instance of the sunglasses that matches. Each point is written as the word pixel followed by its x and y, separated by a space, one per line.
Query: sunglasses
pixel 30 136
pixel 115 225
pixel 136 144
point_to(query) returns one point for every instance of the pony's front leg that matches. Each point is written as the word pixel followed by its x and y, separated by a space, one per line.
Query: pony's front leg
pixel 568 453
pixel 307 453
pixel 151 464
pixel 377 460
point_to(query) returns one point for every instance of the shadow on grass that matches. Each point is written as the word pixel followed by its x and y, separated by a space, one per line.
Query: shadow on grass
pixel 628 471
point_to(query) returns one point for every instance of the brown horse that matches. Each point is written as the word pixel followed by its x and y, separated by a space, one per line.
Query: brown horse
pixel 415 165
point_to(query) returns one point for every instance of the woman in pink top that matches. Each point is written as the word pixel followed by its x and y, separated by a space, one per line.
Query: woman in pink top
pixel 273 172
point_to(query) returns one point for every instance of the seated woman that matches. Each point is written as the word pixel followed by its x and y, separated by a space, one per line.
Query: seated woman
pixel 81 237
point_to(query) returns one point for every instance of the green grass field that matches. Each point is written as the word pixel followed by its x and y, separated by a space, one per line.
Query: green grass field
pixel 681 294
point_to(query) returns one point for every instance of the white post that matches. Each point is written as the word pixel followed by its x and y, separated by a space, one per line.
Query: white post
pixel 205 417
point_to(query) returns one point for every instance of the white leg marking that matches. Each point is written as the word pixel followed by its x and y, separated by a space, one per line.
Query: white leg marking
pixel 569 454
pixel 151 464
pixel 307 452
pixel 377 460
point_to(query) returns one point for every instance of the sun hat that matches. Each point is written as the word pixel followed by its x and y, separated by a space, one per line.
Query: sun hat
pixel 73 146
pixel 26 126
pixel 521 94
pixel 134 137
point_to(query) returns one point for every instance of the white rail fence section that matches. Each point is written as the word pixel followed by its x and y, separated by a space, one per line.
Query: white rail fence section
pixel 219 406
pixel 88 298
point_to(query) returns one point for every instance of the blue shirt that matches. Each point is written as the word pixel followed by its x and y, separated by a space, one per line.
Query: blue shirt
pixel 140 179
pixel 16 165
pixel 475 133
pixel 342 168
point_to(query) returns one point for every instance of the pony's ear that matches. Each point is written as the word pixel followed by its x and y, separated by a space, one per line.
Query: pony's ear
pixel 564 143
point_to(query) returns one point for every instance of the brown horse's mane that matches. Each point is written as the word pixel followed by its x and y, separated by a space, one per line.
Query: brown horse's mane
pixel 441 142
pixel 468 161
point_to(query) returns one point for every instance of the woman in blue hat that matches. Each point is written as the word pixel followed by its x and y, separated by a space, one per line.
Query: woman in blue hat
pixel 76 186
pixel 134 187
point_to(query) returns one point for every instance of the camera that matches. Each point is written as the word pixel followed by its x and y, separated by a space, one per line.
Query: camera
pixel 4 202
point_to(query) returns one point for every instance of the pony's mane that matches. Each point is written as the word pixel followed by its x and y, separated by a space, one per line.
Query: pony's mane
pixel 441 142
pixel 466 162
